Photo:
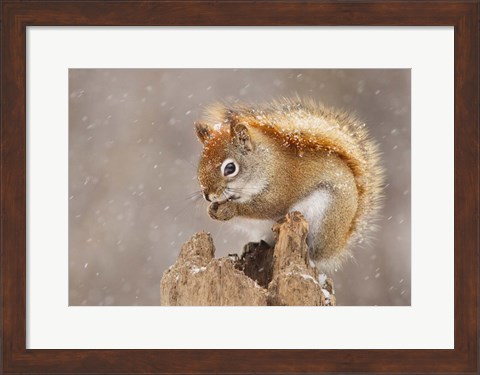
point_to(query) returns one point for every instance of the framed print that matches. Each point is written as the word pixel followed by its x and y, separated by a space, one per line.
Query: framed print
pixel 150 148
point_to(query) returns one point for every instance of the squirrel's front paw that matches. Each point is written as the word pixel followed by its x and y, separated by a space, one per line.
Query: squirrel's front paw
pixel 222 211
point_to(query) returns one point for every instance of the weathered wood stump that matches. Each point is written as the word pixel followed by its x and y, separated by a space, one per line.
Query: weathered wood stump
pixel 263 275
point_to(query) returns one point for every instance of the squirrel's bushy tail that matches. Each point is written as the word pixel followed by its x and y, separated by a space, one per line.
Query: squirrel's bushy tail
pixel 350 138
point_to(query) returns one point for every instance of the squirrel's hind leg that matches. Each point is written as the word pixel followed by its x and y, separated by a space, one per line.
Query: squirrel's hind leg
pixel 329 213
pixel 329 245
pixel 313 208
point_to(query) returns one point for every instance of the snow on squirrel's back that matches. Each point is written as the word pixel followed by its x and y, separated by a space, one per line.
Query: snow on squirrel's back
pixel 305 124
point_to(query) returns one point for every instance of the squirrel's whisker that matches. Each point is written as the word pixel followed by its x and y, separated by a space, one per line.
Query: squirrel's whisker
pixel 195 193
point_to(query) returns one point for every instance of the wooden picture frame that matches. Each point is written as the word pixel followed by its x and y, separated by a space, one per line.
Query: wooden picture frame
pixel 18 15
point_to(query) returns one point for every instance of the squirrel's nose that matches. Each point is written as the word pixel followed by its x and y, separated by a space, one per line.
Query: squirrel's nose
pixel 205 195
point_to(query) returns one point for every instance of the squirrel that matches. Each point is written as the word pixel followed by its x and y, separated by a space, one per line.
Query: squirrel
pixel 262 161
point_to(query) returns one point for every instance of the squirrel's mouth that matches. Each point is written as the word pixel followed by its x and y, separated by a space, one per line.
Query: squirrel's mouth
pixel 226 198
pixel 231 197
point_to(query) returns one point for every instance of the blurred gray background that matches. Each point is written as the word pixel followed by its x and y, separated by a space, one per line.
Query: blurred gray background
pixel 132 167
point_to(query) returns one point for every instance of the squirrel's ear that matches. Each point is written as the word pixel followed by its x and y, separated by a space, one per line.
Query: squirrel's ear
pixel 241 136
pixel 203 131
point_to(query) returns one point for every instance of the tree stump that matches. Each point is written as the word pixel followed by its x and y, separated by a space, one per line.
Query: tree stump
pixel 262 276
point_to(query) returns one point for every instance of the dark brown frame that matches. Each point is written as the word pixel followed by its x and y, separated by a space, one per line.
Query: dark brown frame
pixel 17 15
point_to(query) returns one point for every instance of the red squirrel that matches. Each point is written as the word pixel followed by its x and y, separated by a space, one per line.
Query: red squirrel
pixel 260 162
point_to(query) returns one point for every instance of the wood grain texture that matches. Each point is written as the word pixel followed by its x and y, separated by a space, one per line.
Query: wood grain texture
pixel 17 15
pixel 198 278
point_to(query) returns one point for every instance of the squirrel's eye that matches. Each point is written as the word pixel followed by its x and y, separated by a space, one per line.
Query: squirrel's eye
pixel 229 168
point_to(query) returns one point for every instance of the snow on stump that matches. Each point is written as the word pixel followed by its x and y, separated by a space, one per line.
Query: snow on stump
pixel 262 276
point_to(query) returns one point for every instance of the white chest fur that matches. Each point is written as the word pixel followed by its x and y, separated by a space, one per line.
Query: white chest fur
pixel 313 207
